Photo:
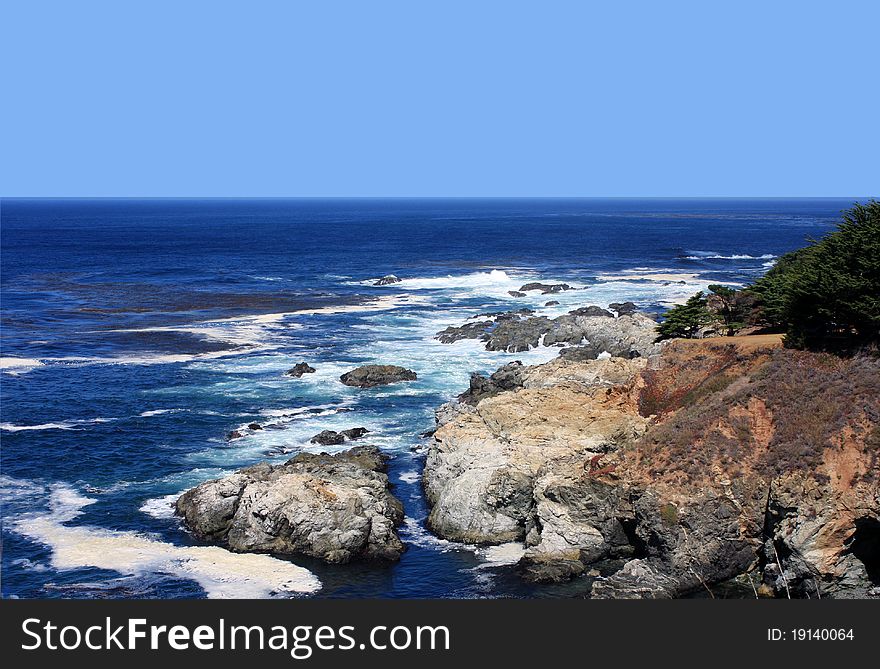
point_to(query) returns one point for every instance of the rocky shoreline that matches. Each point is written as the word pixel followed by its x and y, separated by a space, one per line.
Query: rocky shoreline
pixel 671 474
pixel 655 469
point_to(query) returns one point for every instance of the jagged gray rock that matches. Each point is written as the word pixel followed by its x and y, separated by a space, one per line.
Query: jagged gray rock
pixel 545 288
pixel 508 377
pixel 299 369
pixel 482 464
pixel 334 507
pixel 368 376
pixel 627 336
pixel 456 333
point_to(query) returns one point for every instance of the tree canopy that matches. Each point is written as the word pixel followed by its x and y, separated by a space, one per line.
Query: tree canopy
pixel 827 296
pixel 685 320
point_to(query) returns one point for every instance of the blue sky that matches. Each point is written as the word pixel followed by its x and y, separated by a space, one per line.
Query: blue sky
pixel 444 98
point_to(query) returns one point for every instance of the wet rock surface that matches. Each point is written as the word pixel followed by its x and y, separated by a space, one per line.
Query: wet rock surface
pixel 299 369
pixel 369 376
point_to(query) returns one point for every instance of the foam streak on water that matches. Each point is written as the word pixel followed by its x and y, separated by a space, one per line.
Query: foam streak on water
pixel 220 573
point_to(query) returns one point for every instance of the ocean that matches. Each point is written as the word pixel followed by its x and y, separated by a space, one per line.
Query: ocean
pixel 137 333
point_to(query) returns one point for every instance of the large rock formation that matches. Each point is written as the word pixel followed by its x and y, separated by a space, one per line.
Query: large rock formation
pixel 481 468
pixel 334 507
pixel 629 335
pixel 368 376
pixel 672 474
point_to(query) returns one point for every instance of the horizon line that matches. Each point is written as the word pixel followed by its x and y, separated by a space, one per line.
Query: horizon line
pixel 438 197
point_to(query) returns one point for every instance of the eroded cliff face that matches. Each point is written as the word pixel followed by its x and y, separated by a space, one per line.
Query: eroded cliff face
pixel 706 462
pixel 483 464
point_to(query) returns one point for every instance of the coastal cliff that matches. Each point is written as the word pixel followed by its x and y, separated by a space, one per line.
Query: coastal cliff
pixel 668 474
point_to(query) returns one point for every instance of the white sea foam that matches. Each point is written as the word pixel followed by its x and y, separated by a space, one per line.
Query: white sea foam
pixel 410 477
pixel 16 366
pixel 413 532
pixel 494 283
pixel 647 274
pixel 501 555
pixel 221 573
pixel 712 255
pixel 159 412
pixel 379 304
pixel 148 358
pixel 9 427
pixel 160 507
pixel 60 425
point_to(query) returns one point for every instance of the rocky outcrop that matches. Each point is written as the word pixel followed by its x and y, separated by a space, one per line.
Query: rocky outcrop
pixel 545 288
pixel 456 333
pixel 387 280
pixel 299 369
pixel 333 438
pixel 508 377
pixel 369 376
pixel 482 465
pixel 671 475
pixel 517 335
pixel 334 507
pixel 628 336
pixel 516 293
pixel 624 308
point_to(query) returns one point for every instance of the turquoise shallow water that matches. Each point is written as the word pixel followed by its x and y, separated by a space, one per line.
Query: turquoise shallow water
pixel 136 334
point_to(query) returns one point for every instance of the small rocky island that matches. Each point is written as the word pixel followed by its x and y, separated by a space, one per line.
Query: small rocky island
pixel 368 376
pixel 337 508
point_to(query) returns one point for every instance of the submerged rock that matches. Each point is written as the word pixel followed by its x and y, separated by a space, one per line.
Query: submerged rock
pixel 334 507
pixel 299 369
pixel 551 303
pixel 255 426
pixel 387 280
pixel 234 434
pixel 368 376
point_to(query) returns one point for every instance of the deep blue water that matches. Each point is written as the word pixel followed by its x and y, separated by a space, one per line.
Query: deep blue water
pixel 136 334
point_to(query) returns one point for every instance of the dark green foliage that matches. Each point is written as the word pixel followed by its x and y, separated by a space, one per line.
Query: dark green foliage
pixel 827 295
pixel 685 320
pixel 731 306
pixel 773 288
